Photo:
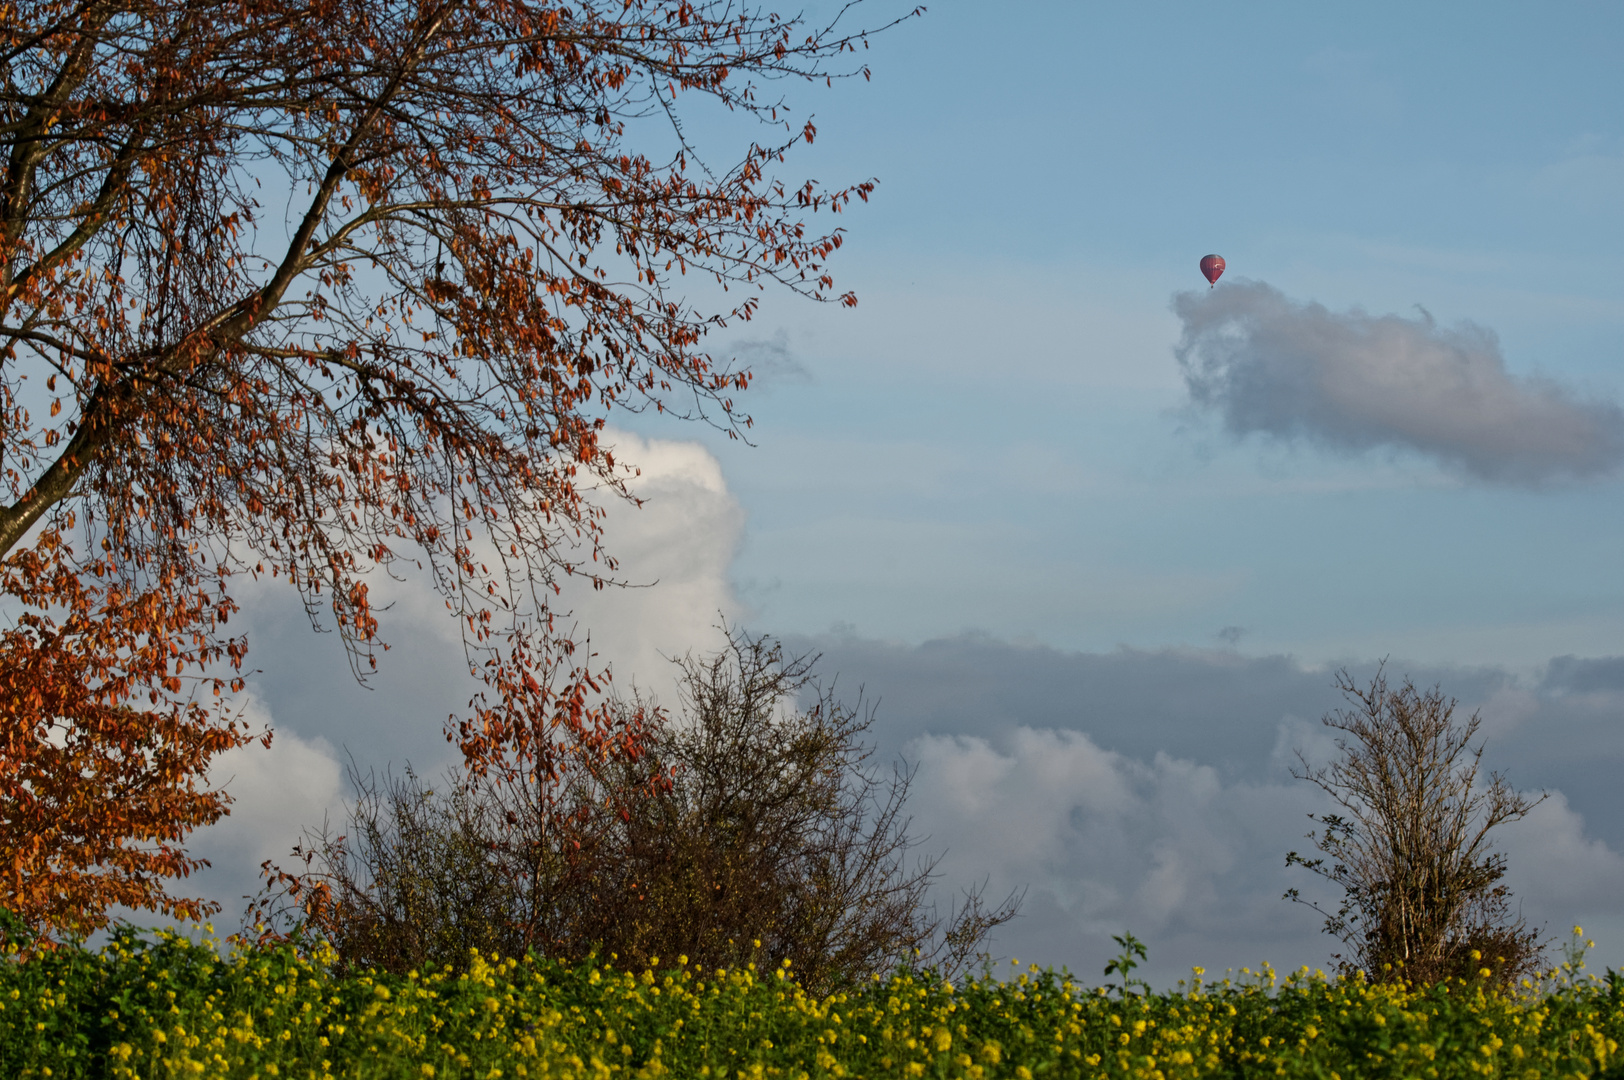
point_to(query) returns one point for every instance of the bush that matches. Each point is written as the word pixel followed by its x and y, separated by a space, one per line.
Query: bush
pixel 1423 898
pixel 748 830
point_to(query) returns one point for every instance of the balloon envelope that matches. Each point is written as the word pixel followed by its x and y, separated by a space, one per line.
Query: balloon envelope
pixel 1212 267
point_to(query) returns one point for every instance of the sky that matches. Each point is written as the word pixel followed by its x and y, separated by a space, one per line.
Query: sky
pixel 1096 537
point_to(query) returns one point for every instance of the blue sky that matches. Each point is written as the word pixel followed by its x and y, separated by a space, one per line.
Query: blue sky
pixel 1098 617
pixel 1003 412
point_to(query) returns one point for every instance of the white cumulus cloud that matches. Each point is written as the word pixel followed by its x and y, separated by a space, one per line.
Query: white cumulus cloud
pixel 674 551
pixel 1106 843
pixel 277 793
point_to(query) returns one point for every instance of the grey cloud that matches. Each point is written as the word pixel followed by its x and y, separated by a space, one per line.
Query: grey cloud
pixel 1150 790
pixel 1104 842
pixel 771 359
pixel 1351 382
pixel 1571 674
pixel 1218 707
pixel 277 794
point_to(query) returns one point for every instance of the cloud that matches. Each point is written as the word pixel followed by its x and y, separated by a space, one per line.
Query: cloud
pixel 675 550
pixel 1104 843
pixel 1151 791
pixel 770 360
pixel 1353 382
pixel 1555 865
pixel 1573 675
pixel 277 794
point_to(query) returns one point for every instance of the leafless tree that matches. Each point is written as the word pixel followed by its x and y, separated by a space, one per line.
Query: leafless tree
pixel 1423 896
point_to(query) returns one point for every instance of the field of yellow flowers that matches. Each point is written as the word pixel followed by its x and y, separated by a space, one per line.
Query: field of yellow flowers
pixel 168 1007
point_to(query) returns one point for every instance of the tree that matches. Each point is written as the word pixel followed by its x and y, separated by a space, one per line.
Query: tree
pixel 749 829
pixel 320 288
pixel 1423 897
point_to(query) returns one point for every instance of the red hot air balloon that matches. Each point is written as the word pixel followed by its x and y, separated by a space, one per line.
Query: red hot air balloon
pixel 1212 267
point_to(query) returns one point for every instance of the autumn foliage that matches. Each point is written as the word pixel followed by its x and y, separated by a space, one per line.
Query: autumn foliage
pixel 98 794
pixel 313 289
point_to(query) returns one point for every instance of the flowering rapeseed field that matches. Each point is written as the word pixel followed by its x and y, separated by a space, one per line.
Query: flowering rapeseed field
pixel 173 1008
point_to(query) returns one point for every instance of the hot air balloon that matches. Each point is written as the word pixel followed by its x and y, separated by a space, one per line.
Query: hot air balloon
pixel 1212 267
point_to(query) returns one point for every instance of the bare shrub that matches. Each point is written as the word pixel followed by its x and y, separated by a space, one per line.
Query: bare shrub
pixel 1423 898
pixel 411 881
pixel 749 829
